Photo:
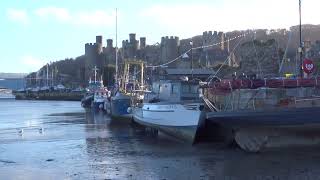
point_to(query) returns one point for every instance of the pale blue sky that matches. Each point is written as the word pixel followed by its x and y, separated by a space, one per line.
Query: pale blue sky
pixel 34 32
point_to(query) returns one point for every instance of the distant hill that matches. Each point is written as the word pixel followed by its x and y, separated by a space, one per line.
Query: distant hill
pixel 12 75
pixel 13 84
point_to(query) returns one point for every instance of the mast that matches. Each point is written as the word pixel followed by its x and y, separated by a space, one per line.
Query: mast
pixel 51 77
pixel 116 76
pixel 300 41
pixel 95 73
pixel 47 83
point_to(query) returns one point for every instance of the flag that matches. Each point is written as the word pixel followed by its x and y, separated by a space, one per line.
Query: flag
pixel 185 55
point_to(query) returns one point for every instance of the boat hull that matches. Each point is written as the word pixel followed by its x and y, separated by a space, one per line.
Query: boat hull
pixel 119 108
pixel 175 120
pixel 256 130
pixel 87 101
pixel 97 105
pixel 289 117
pixel 107 107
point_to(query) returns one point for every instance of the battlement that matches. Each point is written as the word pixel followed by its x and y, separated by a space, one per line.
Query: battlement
pixel 132 37
pixel 94 48
pixel 109 43
pixel 99 39
pixel 211 38
pixel 89 44
pixel 170 40
pixel 142 42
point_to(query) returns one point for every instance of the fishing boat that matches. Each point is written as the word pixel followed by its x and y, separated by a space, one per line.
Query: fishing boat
pixel 117 104
pixel 130 89
pixel 6 94
pixel 93 86
pixel 172 107
pixel 266 112
pixel 99 97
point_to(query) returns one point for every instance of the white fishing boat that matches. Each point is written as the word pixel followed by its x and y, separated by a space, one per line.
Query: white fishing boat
pixel 99 97
pixel 173 107
pixel 96 93
pixel 6 94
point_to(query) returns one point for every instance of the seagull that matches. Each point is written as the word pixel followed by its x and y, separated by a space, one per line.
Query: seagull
pixel 41 130
pixel 20 131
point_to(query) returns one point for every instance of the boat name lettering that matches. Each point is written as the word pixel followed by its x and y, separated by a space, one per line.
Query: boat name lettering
pixel 168 107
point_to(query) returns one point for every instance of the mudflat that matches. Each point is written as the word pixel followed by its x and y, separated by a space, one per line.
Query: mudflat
pixel 60 140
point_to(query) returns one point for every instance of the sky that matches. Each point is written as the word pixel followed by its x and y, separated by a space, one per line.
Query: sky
pixel 36 32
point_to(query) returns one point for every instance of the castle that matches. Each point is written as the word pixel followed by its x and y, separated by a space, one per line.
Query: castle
pixel 170 48
pixel 209 50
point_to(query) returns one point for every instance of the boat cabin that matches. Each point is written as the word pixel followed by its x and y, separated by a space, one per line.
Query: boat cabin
pixel 173 91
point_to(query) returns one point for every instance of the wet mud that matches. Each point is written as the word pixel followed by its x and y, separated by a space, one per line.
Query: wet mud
pixel 60 140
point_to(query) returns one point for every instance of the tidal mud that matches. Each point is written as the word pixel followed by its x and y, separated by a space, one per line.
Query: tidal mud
pixel 60 140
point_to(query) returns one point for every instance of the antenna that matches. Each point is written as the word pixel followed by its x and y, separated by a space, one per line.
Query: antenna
pixel 95 73
pixel 116 76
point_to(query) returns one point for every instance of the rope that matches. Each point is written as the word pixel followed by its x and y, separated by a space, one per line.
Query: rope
pixel 285 52
pixel 258 62
pixel 200 47
pixel 211 77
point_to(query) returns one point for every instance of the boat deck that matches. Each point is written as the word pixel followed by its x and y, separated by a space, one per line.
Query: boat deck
pixel 280 117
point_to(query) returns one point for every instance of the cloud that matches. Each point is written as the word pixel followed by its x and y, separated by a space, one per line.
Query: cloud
pixel 82 18
pixel 190 18
pixel 94 18
pixel 18 15
pixel 60 14
pixel 32 63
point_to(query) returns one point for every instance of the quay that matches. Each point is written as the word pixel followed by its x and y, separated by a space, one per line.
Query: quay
pixel 54 95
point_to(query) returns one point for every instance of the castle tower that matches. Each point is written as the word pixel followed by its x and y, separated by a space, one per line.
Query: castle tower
pixel 99 39
pixel 221 38
pixel 132 38
pixel 169 49
pixel 98 44
pixel 130 46
pixel 142 42
pixel 93 57
pixel 109 43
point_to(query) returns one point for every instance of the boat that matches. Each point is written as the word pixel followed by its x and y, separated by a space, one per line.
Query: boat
pixel 120 100
pixel 86 101
pixel 119 105
pixel 268 112
pixel 129 90
pixel 99 97
pixel 6 94
pixel 93 86
pixel 263 113
pixel 172 107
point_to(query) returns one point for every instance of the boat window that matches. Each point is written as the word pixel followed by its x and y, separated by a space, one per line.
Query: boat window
pixel 155 88
pixel 194 89
pixel 185 88
pixel 175 89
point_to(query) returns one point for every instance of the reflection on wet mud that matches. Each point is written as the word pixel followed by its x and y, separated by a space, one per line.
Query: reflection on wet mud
pixel 78 144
